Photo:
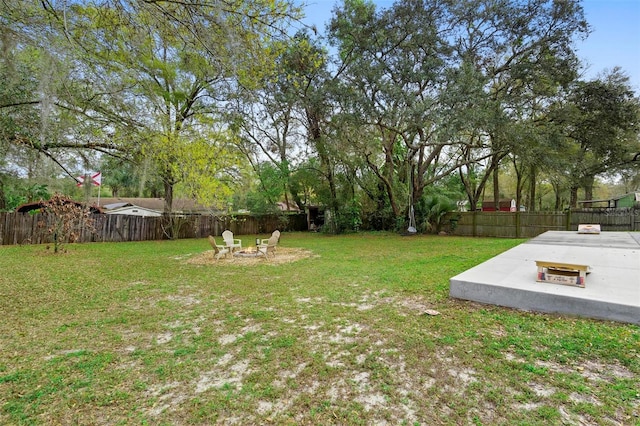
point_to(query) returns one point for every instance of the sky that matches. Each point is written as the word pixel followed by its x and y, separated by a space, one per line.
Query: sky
pixel 614 40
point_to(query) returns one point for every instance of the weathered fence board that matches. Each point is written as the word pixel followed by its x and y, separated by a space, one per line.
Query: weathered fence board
pixel 25 228
pixel 609 220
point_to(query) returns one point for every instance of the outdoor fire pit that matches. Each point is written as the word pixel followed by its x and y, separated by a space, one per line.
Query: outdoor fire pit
pixel 248 252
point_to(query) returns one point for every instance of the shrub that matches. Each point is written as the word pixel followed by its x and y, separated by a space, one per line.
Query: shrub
pixel 434 209
pixel 65 220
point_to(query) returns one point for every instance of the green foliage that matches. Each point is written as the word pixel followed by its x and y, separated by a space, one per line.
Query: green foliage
pixel 146 83
pixel 272 182
pixel 269 190
pixel 206 168
pixel 349 217
pixel 602 127
pixel 122 177
pixel 431 210
pixel 303 184
pixel 258 203
pixel 17 193
pixel 37 192
pixel 13 201
pixel 180 92
pixel 450 187
pixel 377 215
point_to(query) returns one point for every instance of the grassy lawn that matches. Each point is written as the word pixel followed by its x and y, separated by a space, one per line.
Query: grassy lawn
pixel 135 333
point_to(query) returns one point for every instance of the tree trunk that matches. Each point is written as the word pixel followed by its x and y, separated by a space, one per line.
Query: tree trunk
pixel 588 191
pixel 3 201
pixel 472 190
pixel 143 176
pixel 315 134
pixel 573 199
pixel 519 185
pixel 388 181
pixel 168 196
pixel 557 191
pixel 496 186
pixel 532 188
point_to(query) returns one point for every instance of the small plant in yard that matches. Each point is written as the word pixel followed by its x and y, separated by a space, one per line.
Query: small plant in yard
pixel 65 220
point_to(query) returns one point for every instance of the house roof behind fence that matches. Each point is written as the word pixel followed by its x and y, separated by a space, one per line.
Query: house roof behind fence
pixel 183 205
pixel 37 205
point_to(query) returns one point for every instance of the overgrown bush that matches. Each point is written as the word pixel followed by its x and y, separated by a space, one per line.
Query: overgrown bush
pixel 433 209
pixel 349 218
pixel 379 220
pixel 15 194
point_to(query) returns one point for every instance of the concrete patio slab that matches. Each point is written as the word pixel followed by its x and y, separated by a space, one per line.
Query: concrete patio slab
pixel 612 290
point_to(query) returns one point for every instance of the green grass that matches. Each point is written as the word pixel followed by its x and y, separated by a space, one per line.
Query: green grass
pixel 132 333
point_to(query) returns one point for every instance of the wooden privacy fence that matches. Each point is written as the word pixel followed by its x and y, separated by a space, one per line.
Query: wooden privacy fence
pixel 531 224
pixel 25 228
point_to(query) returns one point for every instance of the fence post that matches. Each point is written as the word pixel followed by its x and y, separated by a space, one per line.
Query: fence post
pixel 517 224
pixel 474 223
pixel 568 219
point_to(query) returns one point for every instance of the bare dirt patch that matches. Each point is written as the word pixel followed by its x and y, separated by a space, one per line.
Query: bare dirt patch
pixel 283 255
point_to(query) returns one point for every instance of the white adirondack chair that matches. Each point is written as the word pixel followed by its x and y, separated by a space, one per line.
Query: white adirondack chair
pixel 218 250
pixel 275 233
pixel 230 242
pixel 269 248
